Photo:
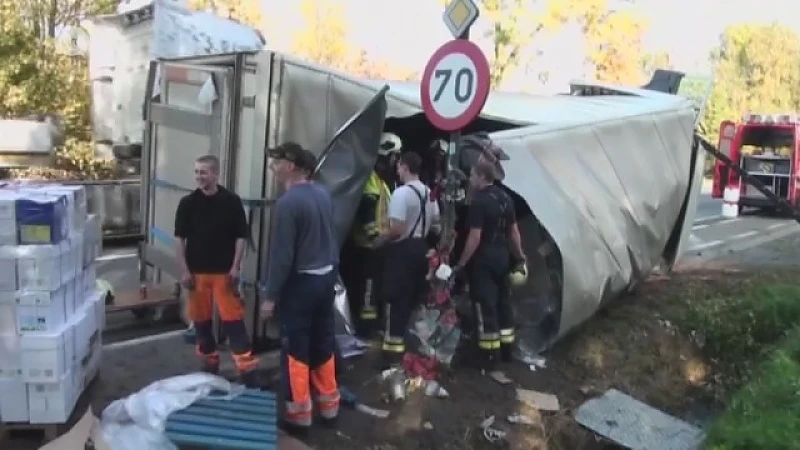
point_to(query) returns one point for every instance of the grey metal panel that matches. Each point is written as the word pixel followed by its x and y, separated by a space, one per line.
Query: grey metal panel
pixel 635 425
pixel 162 259
pixel 181 119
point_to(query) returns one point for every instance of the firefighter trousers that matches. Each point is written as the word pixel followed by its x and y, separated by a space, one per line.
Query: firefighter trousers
pixel 494 317
pixel 362 278
pixel 404 287
pixel 208 291
pixel 308 346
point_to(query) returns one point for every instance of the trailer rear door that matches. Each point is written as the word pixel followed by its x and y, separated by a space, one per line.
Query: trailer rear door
pixel 187 115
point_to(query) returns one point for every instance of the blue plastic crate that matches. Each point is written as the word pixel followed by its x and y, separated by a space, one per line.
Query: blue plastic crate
pixel 247 422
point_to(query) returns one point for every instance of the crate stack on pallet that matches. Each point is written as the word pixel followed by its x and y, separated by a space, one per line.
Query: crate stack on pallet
pixel 51 313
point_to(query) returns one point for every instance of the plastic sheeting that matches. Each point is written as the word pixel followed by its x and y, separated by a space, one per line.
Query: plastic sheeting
pixel 138 421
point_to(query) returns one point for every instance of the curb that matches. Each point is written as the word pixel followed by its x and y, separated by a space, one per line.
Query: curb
pixel 736 245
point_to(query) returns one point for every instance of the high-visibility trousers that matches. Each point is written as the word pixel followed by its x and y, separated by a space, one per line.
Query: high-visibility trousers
pixel 306 310
pixel 404 287
pixel 208 291
pixel 489 292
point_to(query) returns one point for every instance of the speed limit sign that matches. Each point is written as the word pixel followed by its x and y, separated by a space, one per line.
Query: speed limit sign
pixel 455 85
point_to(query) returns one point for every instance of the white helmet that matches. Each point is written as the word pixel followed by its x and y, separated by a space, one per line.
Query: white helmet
pixel 390 143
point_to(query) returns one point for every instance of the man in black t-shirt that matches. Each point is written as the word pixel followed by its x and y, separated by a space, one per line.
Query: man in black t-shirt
pixel 211 232
pixel 493 247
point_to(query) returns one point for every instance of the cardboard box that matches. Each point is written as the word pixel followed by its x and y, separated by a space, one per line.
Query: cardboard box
pixel 10 357
pixel 76 202
pixel 41 311
pixel 85 329
pixel 89 279
pixel 69 298
pixel 39 267
pixel 8 217
pixel 47 357
pixel 13 401
pixel 8 232
pixel 42 219
pixel 99 300
pixel 52 402
pixel 8 269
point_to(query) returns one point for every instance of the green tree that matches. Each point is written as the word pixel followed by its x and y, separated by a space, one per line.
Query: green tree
pixel 247 12
pixel 613 38
pixel 41 75
pixel 755 70
pixel 324 40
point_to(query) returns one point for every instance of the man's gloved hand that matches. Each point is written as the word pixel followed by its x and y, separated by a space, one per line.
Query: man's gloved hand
pixel 519 272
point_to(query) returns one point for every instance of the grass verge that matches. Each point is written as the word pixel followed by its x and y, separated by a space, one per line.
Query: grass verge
pixel 752 335
pixel 765 414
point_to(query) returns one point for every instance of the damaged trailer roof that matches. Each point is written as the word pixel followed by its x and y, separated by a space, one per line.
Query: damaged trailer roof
pixel 607 177
pixel 564 110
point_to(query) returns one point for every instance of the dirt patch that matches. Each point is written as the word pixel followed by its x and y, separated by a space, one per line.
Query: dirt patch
pixel 633 346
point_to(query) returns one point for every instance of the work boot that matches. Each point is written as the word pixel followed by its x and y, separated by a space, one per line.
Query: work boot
pixel 293 430
pixel 329 423
pixel 210 367
pixel 249 379
pixel 507 353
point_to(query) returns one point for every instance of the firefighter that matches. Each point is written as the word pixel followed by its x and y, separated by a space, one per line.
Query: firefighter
pixel 493 249
pixel 300 288
pixel 362 265
pixel 211 232
pixel 411 215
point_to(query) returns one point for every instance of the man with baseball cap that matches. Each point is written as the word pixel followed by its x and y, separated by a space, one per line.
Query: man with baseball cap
pixel 301 278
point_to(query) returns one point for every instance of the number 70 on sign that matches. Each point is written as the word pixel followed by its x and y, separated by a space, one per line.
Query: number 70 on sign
pixel 455 85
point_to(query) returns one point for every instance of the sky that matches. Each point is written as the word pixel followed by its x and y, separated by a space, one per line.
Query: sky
pixel 407 32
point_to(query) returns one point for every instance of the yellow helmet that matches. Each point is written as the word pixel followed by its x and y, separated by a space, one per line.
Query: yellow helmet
pixel 519 275
pixel 104 287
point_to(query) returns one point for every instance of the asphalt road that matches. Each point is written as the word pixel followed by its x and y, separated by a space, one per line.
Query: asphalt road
pixel 712 236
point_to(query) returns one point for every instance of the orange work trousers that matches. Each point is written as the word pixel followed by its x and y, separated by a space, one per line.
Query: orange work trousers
pixel 306 310
pixel 208 291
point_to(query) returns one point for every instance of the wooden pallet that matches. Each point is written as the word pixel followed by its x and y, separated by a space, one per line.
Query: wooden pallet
pixel 41 432
pixel 247 422
pixel 46 432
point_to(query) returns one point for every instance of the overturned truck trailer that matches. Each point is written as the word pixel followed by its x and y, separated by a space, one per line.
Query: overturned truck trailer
pixel 603 178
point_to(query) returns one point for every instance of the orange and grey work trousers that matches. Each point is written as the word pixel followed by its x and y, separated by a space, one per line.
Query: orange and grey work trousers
pixel 207 291
pixel 306 310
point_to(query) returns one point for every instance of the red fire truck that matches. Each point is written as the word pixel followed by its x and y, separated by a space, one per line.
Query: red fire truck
pixel 766 147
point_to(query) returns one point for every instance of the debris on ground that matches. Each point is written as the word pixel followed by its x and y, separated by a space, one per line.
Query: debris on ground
pixel 350 400
pixel 520 419
pixel 500 377
pixel 538 400
pixel 633 424
pixel 490 433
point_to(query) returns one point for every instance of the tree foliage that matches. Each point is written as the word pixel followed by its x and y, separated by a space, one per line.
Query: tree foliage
pixel 324 40
pixel 42 75
pixel 613 38
pixel 755 70
pixel 247 12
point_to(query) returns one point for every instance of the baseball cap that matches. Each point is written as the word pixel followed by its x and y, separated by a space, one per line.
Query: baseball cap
pixel 294 152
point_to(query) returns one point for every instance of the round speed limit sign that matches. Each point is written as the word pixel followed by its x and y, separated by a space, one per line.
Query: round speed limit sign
pixel 455 85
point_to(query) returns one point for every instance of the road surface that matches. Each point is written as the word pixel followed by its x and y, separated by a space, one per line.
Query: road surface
pixel 712 236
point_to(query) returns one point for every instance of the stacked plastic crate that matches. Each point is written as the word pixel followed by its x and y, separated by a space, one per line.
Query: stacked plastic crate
pixel 51 313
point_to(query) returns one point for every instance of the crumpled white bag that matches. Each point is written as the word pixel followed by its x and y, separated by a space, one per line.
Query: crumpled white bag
pixel 138 421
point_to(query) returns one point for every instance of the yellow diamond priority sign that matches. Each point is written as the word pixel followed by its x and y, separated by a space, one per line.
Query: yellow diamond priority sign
pixel 459 16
